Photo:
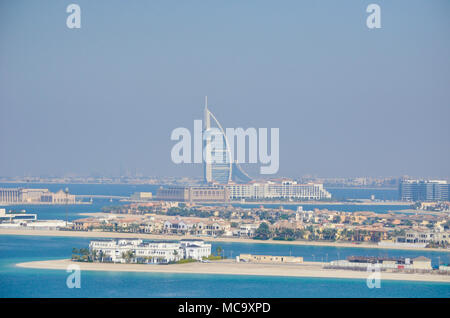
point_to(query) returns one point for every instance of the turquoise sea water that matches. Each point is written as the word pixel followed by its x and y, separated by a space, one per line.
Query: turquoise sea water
pixel 22 282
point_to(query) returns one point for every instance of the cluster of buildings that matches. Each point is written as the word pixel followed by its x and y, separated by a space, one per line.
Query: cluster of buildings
pixel 376 182
pixel 267 190
pixel 424 190
pixel 424 237
pixel 213 193
pixel 286 224
pixel 34 196
pixel 168 225
pixel 433 206
pixel 389 229
pixel 225 180
pixel 140 207
pixel 283 189
pixel 138 251
pixel 141 196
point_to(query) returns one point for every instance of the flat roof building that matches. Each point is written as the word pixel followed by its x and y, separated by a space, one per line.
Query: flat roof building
pixel 215 193
pixel 424 190
pixel 116 250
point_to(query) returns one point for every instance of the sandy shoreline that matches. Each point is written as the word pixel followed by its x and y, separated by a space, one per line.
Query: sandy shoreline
pixel 362 203
pixel 307 269
pixel 209 239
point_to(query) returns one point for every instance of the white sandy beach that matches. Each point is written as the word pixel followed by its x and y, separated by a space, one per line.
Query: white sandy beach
pixel 95 234
pixel 228 267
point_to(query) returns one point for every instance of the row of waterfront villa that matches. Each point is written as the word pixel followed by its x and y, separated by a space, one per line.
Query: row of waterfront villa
pixel 136 250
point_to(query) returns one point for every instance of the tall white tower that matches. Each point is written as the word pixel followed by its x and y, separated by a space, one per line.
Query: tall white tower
pixel 207 144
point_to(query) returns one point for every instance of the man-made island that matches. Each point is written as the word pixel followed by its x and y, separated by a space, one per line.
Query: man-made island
pixel 230 267
pixel 194 257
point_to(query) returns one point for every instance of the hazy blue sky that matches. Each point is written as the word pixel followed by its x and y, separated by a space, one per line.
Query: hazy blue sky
pixel 348 100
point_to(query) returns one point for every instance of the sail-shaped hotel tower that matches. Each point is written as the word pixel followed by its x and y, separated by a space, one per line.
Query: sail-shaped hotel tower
pixel 224 170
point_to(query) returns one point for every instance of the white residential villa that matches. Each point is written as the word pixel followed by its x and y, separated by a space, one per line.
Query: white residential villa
pixel 27 221
pixel 114 250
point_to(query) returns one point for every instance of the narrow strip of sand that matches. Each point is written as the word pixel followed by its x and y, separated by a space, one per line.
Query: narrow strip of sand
pixel 356 203
pixel 95 234
pixel 307 269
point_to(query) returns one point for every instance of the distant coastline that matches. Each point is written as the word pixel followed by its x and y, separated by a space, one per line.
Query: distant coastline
pixel 44 203
pixel 95 234
pixel 364 203
pixel 228 267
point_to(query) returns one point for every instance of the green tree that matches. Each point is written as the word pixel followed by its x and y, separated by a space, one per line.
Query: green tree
pixel 262 232
pixel 219 251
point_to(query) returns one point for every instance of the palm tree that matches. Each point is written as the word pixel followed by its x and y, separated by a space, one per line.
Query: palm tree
pixel 93 255
pixel 128 255
pixel 101 255
pixel 219 250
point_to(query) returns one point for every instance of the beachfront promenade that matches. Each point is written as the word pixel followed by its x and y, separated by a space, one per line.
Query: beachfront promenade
pixel 97 234
pixel 229 267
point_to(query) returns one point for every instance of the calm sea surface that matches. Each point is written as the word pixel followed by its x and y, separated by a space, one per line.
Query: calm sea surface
pixel 21 282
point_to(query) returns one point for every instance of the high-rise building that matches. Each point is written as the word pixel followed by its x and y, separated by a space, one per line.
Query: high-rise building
pixel 424 190
pixel 219 166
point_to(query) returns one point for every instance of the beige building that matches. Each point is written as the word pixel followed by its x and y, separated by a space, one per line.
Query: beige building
pixel 197 226
pixel 193 194
pixel 425 236
pixel 270 259
pixel 34 196
pixel 421 262
pixel 141 196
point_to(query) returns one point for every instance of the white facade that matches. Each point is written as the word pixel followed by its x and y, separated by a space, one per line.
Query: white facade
pixel 16 217
pixel 425 237
pixel 195 249
pixel 114 250
pixel 285 189
pixel 247 230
